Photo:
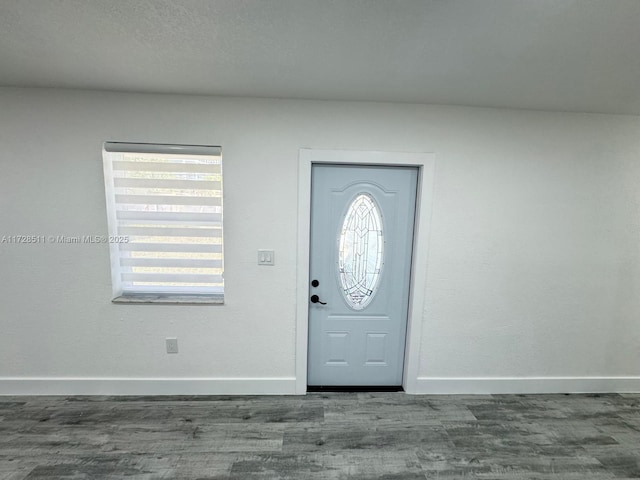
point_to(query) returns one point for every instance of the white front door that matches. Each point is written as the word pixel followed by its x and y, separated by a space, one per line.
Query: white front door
pixel 362 220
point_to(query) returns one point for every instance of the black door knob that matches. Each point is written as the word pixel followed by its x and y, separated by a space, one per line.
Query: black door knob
pixel 316 299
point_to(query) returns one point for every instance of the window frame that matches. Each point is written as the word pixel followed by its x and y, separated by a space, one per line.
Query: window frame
pixel 111 152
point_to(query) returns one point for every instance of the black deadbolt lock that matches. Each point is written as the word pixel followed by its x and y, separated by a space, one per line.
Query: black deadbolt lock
pixel 315 283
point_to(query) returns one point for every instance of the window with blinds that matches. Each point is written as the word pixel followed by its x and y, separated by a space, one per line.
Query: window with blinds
pixel 164 206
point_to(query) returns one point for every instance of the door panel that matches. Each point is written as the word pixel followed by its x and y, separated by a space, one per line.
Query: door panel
pixel 362 221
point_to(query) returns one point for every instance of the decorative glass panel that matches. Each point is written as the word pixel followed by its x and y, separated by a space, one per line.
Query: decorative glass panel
pixel 360 252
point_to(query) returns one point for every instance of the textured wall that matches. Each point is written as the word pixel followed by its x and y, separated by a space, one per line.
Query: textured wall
pixel 533 262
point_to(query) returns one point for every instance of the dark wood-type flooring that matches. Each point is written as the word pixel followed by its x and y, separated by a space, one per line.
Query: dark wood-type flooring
pixel 321 436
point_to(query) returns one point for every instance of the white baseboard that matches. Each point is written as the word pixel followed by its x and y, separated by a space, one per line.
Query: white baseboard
pixel 515 385
pixel 147 386
pixel 287 386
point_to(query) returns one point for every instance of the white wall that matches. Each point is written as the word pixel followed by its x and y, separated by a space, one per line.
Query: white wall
pixel 534 267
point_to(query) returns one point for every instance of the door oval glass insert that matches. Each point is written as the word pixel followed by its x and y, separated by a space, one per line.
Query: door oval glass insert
pixel 360 252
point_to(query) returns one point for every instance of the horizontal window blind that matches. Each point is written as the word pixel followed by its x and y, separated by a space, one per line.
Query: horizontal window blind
pixel 165 218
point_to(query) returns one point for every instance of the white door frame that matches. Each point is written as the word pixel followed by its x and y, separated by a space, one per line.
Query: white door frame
pixel 426 165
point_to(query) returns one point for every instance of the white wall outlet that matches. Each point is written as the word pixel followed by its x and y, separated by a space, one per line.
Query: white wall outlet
pixel 172 345
pixel 266 257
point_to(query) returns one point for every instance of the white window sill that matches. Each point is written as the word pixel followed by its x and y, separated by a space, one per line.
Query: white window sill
pixel 170 299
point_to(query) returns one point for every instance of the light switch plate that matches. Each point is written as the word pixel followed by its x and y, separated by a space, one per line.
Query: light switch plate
pixel 266 257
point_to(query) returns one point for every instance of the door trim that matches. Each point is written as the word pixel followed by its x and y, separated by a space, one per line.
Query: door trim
pixel 426 167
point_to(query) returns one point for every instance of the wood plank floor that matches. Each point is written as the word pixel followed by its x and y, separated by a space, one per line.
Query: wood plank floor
pixel 390 436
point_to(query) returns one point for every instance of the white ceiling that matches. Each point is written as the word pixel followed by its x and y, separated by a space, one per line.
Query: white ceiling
pixel 567 55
